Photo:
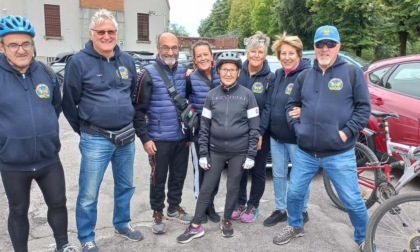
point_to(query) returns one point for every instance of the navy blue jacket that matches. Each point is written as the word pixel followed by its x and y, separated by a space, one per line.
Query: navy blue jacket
pixel 329 103
pixel 274 115
pixel 30 105
pixel 98 90
pixel 153 102
pixel 198 91
pixel 258 83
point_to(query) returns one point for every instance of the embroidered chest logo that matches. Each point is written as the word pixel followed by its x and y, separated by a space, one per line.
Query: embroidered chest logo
pixel 289 88
pixel 257 87
pixel 123 72
pixel 43 91
pixel 335 84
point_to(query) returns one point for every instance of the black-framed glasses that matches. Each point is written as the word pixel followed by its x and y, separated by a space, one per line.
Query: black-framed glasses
pixel 329 44
pixel 102 32
pixel 15 47
pixel 165 49
pixel 231 71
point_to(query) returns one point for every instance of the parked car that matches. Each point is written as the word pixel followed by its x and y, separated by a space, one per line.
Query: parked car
pixel 394 86
pixel 63 57
pixel 273 62
pixel 142 58
pixel 184 59
pixel 349 57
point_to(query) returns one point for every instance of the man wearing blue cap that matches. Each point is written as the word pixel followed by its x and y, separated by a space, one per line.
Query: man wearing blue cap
pixel 335 106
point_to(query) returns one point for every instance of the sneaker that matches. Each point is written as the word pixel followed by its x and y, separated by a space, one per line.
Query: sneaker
pixel 305 217
pixel 191 233
pixel 237 213
pixel 67 248
pixel 227 229
pixel 250 214
pixel 362 246
pixel 287 234
pixel 212 214
pixel 158 226
pixel 178 213
pixel 90 247
pixel 276 217
pixel 130 233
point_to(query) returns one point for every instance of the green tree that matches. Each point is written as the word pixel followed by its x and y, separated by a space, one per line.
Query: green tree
pixel 263 18
pixel 353 18
pixel 404 20
pixel 178 30
pixel 216 23
pixel 293 17
pixel 239 20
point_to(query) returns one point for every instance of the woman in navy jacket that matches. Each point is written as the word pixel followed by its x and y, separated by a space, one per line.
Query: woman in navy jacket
pixel 273 119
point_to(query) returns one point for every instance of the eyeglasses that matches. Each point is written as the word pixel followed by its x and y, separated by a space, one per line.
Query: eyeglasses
pixel 231 71
pixel 102 32
pixel 329 44
pixel 166 49
pixel 15 47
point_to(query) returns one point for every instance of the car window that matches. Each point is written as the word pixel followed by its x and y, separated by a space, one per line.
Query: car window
pixel 376 76
pixel 406 79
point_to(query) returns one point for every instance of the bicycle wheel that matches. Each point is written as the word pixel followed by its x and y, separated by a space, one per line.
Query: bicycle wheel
pixel 364 157
pixel 395 225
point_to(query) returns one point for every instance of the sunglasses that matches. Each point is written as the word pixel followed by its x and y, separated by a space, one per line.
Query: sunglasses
pixel 329 44
pixel 102 32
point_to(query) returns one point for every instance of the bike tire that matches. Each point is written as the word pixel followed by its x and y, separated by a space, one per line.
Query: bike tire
pixel 369 142
pixel 369 195
pixel 394 225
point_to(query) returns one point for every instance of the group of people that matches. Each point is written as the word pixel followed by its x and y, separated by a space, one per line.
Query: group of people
pixel 310 115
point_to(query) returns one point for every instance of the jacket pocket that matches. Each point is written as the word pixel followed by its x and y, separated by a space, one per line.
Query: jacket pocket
pixel 48 146
pixel 18 150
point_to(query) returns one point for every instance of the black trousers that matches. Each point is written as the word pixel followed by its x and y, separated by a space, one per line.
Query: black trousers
pixel 18 187
pixel 211 180
pixel 199 174
pixel 172 158
pixel 258 173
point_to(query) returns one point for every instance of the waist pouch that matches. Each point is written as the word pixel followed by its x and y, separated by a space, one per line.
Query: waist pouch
pixel 120 137
pixel 189 119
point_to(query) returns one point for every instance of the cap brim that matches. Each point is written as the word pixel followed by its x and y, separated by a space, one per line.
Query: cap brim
pixel 326 38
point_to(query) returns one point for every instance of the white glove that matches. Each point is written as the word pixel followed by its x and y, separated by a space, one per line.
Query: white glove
pixel 248 164
pixel 204 163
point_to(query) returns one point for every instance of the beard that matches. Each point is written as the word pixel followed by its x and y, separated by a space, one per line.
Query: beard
pixel 324 62
pixel 170 61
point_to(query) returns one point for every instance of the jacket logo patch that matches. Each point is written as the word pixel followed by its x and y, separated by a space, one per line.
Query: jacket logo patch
pixel 289 88
pixel 257 87
pixel 123 72
pixel 335 84
pixel 43 91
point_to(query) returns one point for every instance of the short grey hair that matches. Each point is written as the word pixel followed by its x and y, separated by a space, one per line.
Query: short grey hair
pixel 100 17
pixel 257 40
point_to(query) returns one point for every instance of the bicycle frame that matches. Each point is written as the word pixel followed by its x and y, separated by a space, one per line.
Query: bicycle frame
pixel 405 151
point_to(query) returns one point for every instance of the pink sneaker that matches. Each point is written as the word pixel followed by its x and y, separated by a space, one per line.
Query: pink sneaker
pixel 237 213
pixel 250 214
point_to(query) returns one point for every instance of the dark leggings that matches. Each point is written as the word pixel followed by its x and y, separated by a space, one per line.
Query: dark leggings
pixel 211 180
pixel 257 177
pixel 18 188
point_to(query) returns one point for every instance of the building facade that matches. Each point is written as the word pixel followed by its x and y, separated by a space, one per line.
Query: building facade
pixel 63 25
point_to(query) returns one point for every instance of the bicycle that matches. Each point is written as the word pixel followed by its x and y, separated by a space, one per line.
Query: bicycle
pixel 395 225
pixel 375 177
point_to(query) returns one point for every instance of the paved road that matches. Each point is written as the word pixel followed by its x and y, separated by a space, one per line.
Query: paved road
pixel 329 229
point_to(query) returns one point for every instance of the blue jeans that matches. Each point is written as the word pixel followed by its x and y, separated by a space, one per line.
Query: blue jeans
pixel 341 168
pixel 280 155
pixel 97 152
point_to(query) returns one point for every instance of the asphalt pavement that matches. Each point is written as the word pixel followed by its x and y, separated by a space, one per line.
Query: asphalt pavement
pixel 328 229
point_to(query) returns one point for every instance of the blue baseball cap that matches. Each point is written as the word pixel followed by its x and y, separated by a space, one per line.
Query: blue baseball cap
pixel 327 32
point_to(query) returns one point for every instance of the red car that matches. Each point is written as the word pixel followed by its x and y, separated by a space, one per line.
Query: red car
pixel 394 86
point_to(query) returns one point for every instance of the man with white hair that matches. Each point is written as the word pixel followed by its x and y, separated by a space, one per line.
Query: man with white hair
pixel 97 103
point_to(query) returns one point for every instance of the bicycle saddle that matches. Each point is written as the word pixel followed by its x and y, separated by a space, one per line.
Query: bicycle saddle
pixel 384 114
